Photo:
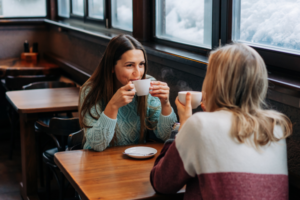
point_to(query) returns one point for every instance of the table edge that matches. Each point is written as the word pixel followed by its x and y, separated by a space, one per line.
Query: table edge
pixel 71 181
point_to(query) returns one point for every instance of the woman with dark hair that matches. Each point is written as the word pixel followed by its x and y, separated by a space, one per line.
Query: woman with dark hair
pixel 110 112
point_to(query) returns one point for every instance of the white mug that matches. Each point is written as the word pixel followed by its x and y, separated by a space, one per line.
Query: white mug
pixel 196 98
pixel 141 87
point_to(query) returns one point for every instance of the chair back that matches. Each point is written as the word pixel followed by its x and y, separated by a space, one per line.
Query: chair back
pixel 48 84
pixel 75 140
pixel 61 128
pixel 17 82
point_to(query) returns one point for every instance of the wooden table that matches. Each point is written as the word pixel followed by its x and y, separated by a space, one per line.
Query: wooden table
pixel 110 174
pixel 28 103
pixel 16 66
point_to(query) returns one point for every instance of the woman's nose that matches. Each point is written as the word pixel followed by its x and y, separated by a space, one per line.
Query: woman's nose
pixel 137 70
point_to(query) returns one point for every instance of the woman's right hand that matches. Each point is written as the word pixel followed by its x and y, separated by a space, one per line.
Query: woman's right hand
pixel 122 97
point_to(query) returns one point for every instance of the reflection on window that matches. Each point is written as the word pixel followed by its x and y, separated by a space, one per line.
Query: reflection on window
pixel 188 22
pixel 122 14
pixel 17 8
pixel 96 9
pixel 268 23
pixel 64 8
pixel 78 7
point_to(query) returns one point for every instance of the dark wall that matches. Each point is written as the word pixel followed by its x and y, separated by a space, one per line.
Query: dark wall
pixel 12 39
pixel 11 46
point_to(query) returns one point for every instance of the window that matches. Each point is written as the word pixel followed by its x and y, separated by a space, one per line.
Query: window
pixel 96 9
pixel 121 14
pixel 188 22
pixel 266 23
pixel 78 7
pixel 64 8
pixel 17 8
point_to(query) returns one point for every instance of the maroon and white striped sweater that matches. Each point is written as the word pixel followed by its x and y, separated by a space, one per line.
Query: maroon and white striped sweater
pixel 212 165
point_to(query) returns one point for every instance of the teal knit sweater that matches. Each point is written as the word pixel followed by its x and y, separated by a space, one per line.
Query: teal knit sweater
pixel 126 126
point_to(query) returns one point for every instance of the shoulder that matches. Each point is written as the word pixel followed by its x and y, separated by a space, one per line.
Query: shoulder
pixel 204 124
pixel 84 90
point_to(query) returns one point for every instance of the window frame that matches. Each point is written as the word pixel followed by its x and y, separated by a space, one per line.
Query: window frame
pixel 202 50
pixel 276 61
pixel 86 18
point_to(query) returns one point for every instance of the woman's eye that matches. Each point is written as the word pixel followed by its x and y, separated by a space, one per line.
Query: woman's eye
pixel 142 64
pixel 129 65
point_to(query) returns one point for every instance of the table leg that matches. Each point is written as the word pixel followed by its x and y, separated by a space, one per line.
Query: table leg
pixel 29 184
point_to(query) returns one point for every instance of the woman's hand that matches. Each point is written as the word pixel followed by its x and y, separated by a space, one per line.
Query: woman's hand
pixel 122 97
pixel 202 104
pixel 162 91
pixel 184 111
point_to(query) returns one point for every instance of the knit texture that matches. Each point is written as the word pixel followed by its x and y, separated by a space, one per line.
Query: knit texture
pixel 126 126
pixel 213 165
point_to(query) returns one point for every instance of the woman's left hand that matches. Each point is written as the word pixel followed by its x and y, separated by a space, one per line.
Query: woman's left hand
pixel 184 111
pixel 160 90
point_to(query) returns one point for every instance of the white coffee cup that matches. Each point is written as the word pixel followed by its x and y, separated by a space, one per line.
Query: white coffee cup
pixel 196 98
pixel 141 87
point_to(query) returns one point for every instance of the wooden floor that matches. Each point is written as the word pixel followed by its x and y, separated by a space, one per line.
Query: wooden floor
pixel 10 172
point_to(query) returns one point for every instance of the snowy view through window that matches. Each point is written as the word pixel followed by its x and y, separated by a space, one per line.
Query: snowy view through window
pixel 269 22
pixel 21 8
pixel 121 14
pixel 186 21
pixel 96 9
pixel 63 8
pixel 265 22
pixel 78 7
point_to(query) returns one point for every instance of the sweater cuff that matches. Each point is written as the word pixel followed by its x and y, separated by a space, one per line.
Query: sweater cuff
pixel 107 122
pixel 169 119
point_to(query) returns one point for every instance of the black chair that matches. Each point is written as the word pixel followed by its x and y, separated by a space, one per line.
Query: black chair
pixel 45 117
pixel 58 129
pixel 48 84
pixel 17 82
pixel 75 140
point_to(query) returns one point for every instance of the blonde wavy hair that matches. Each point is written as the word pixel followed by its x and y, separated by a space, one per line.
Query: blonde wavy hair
pixel 236 80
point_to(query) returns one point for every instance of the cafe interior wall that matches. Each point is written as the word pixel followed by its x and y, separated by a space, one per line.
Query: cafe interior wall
pixel 85 51
pixel 12 38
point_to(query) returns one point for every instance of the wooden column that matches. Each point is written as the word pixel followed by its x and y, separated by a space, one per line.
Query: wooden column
pixel 52 9
pixel 142 23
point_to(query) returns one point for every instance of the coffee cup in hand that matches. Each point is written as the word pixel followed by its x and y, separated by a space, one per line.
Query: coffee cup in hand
pixel 141 87
pixel 196 98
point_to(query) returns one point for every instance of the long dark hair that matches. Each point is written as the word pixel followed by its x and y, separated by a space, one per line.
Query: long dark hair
pixel 102 82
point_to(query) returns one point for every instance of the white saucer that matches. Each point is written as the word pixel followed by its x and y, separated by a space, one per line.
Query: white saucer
pixel 140 152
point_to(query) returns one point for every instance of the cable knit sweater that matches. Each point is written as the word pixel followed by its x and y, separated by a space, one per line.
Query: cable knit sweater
pixel 126 126
pixel 212 165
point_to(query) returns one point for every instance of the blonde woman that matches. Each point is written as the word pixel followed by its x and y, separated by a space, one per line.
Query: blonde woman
pixel 234 150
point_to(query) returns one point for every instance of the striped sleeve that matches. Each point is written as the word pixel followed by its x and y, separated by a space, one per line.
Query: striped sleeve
pixel 168 175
